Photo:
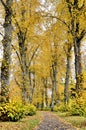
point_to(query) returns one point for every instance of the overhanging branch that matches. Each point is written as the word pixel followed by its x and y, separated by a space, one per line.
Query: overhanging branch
pixel 55 17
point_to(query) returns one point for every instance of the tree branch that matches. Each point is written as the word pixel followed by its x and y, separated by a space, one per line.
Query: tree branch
pixel 33 55
pixel 1 34
pixel 51 16
pixel 17 55
pixel 3 4
pixel 17 82
pixel 81 35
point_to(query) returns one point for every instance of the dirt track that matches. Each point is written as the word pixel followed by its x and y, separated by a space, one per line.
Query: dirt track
pixel 52 122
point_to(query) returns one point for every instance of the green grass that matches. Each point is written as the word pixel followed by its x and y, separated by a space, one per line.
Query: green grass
pixel 74 120
pixel 27 123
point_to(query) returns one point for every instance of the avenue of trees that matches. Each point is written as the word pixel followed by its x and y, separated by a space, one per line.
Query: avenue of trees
pixel 44 59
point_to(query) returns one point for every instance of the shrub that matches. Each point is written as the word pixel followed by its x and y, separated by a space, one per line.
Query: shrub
pixel 61 108
pixel 55 109
pixel 46 109
pixel 11 111
pixel 30 109
pixel 78 107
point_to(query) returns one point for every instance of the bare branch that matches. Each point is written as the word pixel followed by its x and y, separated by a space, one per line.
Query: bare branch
pixel 3 4
pixel 17 82
pixel 51 16
pixel 1 34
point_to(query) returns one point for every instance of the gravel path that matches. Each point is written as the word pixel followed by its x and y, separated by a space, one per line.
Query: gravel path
pixel 52 122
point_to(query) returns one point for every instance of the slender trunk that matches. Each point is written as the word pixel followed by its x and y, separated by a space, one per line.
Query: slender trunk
pixel 54 85
pixel 5 68
pixel 54 78
pixel 32 85
pixel 66 95
pixel 42 105
pixel 46 94
pixel 22 51
pixel 52 97
pixel 78 67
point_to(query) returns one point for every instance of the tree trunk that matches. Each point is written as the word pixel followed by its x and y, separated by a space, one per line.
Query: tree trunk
pixel 46 94
pixel 5 67
pixel 54 77
pixel 32 85
pixel 78 67
pixel 24 69
pixel 42 104
pixel 54 96
pixel 77 35
pixel 66 95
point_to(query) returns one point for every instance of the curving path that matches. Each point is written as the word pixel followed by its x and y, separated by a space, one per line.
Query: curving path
pixel 52 122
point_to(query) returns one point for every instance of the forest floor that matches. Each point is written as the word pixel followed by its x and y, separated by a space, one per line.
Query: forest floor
pixel 27 123
pixel 45 120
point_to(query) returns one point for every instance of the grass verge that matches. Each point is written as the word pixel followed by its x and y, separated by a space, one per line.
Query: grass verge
pixel 77 121
pixel 27 123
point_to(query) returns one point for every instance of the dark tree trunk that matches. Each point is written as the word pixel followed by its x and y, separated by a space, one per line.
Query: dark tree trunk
pixel 5 68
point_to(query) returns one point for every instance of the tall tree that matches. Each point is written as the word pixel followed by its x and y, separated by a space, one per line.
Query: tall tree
pixel 76 10
pixel 24 23
pixel 5 68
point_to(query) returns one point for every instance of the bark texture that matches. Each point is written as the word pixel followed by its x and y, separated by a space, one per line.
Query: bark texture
pixel 5 68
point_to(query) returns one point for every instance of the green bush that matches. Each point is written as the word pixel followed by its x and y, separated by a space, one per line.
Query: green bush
pixel 11 111
pixel 30 109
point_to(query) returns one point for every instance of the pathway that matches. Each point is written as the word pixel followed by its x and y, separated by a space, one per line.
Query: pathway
pixel 52 122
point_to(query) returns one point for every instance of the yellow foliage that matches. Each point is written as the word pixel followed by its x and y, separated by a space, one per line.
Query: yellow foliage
pixel 15 93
